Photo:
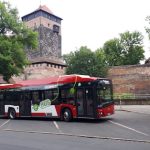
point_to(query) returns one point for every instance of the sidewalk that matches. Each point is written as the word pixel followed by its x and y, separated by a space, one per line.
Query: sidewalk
pixel 143 109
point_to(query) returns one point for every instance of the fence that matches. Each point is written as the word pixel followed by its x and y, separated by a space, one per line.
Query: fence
pixel 132 99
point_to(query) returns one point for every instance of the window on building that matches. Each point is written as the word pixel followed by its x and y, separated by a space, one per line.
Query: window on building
pixel 56 28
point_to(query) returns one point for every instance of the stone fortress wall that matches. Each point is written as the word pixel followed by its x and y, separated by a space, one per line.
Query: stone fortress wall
pixel 131 81
pixel 41 70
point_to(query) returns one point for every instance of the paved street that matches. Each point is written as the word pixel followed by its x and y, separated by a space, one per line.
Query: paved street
pixel 124 130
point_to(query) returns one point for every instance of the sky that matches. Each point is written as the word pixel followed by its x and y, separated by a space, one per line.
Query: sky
pixel 93 22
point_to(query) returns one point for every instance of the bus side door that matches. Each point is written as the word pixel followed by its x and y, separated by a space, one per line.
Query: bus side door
pixel 1 103
pixel 25 104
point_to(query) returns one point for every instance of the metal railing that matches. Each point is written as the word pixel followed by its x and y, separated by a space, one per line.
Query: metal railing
pixel 131 96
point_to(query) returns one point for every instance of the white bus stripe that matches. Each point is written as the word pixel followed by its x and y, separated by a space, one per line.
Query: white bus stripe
pixel 4 123
pixel 129 128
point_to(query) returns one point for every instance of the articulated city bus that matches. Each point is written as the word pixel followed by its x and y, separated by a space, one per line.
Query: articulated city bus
pixel 65 97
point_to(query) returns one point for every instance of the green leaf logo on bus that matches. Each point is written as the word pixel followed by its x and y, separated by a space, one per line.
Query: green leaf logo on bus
pixel 35 107
pixel 42 105
pixel 72 91
pixel 45 103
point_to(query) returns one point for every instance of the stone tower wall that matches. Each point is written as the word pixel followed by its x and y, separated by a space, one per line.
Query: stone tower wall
pixel 49 44
pixel 36 22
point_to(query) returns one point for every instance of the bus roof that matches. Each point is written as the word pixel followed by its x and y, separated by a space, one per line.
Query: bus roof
pixel 9 86
pixel 50 80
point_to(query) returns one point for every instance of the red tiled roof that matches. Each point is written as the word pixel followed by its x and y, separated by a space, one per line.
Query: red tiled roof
pixel 45 8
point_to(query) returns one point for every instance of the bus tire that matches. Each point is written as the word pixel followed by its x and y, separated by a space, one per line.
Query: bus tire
pixel 11 113
pixel 66 115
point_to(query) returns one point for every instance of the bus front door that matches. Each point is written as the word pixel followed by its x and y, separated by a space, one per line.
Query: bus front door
pixel 85 105
pixel 80 102
pixel 89 102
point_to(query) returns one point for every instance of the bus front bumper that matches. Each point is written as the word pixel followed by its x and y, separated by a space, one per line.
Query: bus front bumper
pixel 105 111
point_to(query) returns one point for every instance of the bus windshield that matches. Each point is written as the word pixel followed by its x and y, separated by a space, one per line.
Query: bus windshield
pixel 104 93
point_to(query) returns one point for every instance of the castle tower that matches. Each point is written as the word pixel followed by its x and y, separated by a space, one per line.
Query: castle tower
pixel 46 60
pixel 48 27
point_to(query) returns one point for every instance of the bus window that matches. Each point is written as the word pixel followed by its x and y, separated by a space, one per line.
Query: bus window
pixel 1 96
pixel 27 96
pixel 48 94
pixel 67 96
pixel 55 93
pixel 35 97
pixel 55 97
pixel 104 94
pixel 52 95
pixel 12 98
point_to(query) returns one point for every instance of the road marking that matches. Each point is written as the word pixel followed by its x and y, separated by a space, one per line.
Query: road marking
pixel 121 125
pixel 56 125
pixel 83 136
pixel 4 123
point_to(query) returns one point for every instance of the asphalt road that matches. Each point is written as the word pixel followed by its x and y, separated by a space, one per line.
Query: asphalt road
pixel 124 130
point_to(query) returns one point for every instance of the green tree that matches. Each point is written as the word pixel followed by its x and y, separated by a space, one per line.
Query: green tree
pixel 125 50
pixel 132 47
pixel 113 52
pixel 101 63
pixel 85 62
pixel 14 37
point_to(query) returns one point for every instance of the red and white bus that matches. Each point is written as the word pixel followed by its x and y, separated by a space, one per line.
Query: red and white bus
pixel 65 97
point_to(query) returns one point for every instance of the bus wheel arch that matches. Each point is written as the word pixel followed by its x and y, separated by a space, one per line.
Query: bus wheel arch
pixel 66 114
pixel 11 113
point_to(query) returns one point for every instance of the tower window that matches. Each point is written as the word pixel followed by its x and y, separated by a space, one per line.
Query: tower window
pixel 56 28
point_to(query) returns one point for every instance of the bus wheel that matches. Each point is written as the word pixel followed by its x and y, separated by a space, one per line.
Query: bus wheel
pixel 11 113
pixel 67 115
